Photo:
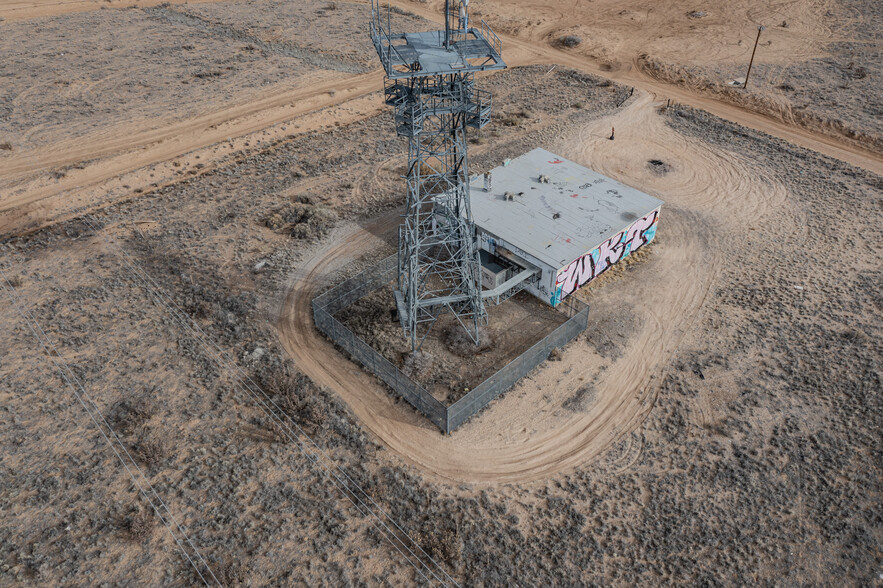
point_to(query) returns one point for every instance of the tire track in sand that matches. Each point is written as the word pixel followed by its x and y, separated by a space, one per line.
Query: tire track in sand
pixel 527 434
pixel 131 160
pixel 37 204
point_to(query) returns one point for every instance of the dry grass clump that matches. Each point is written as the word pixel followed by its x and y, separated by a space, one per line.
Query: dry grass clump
pixel 441 540
pixel 132 413
pixel 302 219
pixel 275 222
pixel 151 449
pixel 6 146
pixel 297 395
pixel 314 409
pixel 583 397
pixel 139 523
pixel 228 573
pixel 570 41
pixel 419 366
pixel 514 119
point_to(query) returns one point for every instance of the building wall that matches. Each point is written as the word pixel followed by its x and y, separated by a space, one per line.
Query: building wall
pixel 490 243
pixel 555 284
pixel 594 263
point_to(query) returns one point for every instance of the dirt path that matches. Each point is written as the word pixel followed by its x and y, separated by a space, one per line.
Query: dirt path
pixel 536 49
pixel 159 144
pixel 25 10
pixel 128 160
pixel 199 131
pixel 32 199
pixel 528 434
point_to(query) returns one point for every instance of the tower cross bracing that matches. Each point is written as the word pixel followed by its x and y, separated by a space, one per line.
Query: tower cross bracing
pixel 430 82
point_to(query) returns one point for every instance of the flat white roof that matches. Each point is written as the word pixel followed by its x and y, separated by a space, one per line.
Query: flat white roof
pixel 559 221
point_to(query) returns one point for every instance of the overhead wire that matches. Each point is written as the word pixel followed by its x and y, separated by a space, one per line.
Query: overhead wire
pixel 86 401
pixel 309 448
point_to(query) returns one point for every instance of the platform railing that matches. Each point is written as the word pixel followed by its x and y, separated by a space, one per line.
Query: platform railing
pixel 383 38
pixel 491 37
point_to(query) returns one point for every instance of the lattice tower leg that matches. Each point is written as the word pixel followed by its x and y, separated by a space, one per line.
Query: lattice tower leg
pixel 438 257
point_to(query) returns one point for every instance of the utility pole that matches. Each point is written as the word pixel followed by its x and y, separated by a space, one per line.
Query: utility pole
pixel 753 51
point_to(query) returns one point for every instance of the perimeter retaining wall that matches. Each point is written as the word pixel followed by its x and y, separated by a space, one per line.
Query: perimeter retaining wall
pixel 446 418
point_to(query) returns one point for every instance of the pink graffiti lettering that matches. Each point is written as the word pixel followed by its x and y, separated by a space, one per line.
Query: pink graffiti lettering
pixel 576 274
pixel 635 233
pixel 591 265
pixel 609 253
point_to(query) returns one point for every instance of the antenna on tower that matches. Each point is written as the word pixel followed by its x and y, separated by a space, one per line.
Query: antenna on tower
pixel 448 25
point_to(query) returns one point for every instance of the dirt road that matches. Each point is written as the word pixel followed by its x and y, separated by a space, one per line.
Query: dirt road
pixel 34 200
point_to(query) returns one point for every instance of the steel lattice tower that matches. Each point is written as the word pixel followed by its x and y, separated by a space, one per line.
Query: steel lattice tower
pixel 430 82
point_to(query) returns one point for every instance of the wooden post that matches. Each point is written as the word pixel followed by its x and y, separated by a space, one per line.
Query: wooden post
pixel 753 51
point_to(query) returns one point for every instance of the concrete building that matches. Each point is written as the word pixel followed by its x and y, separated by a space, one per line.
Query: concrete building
pixel 550 226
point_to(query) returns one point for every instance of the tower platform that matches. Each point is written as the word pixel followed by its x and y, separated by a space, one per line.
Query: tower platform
pixel 408 55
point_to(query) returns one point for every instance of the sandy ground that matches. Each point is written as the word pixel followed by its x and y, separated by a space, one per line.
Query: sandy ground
pixel 718 424
pixel 523 440
pixel 40 187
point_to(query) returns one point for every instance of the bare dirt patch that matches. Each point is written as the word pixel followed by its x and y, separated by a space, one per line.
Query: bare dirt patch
pixel 449 363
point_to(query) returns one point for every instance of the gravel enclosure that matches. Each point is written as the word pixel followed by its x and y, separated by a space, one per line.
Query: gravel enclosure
pixel 448 364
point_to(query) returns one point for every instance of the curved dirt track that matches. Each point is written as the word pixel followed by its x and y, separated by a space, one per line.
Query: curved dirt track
pixel 527 434
pixel 31 202
pixel 201 130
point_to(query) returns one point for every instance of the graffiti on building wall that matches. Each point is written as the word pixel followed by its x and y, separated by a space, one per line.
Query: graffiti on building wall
pixel 593 264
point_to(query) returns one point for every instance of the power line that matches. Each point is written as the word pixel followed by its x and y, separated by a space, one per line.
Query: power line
pixel 351 490
pixel 86 402
pixel 382 522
